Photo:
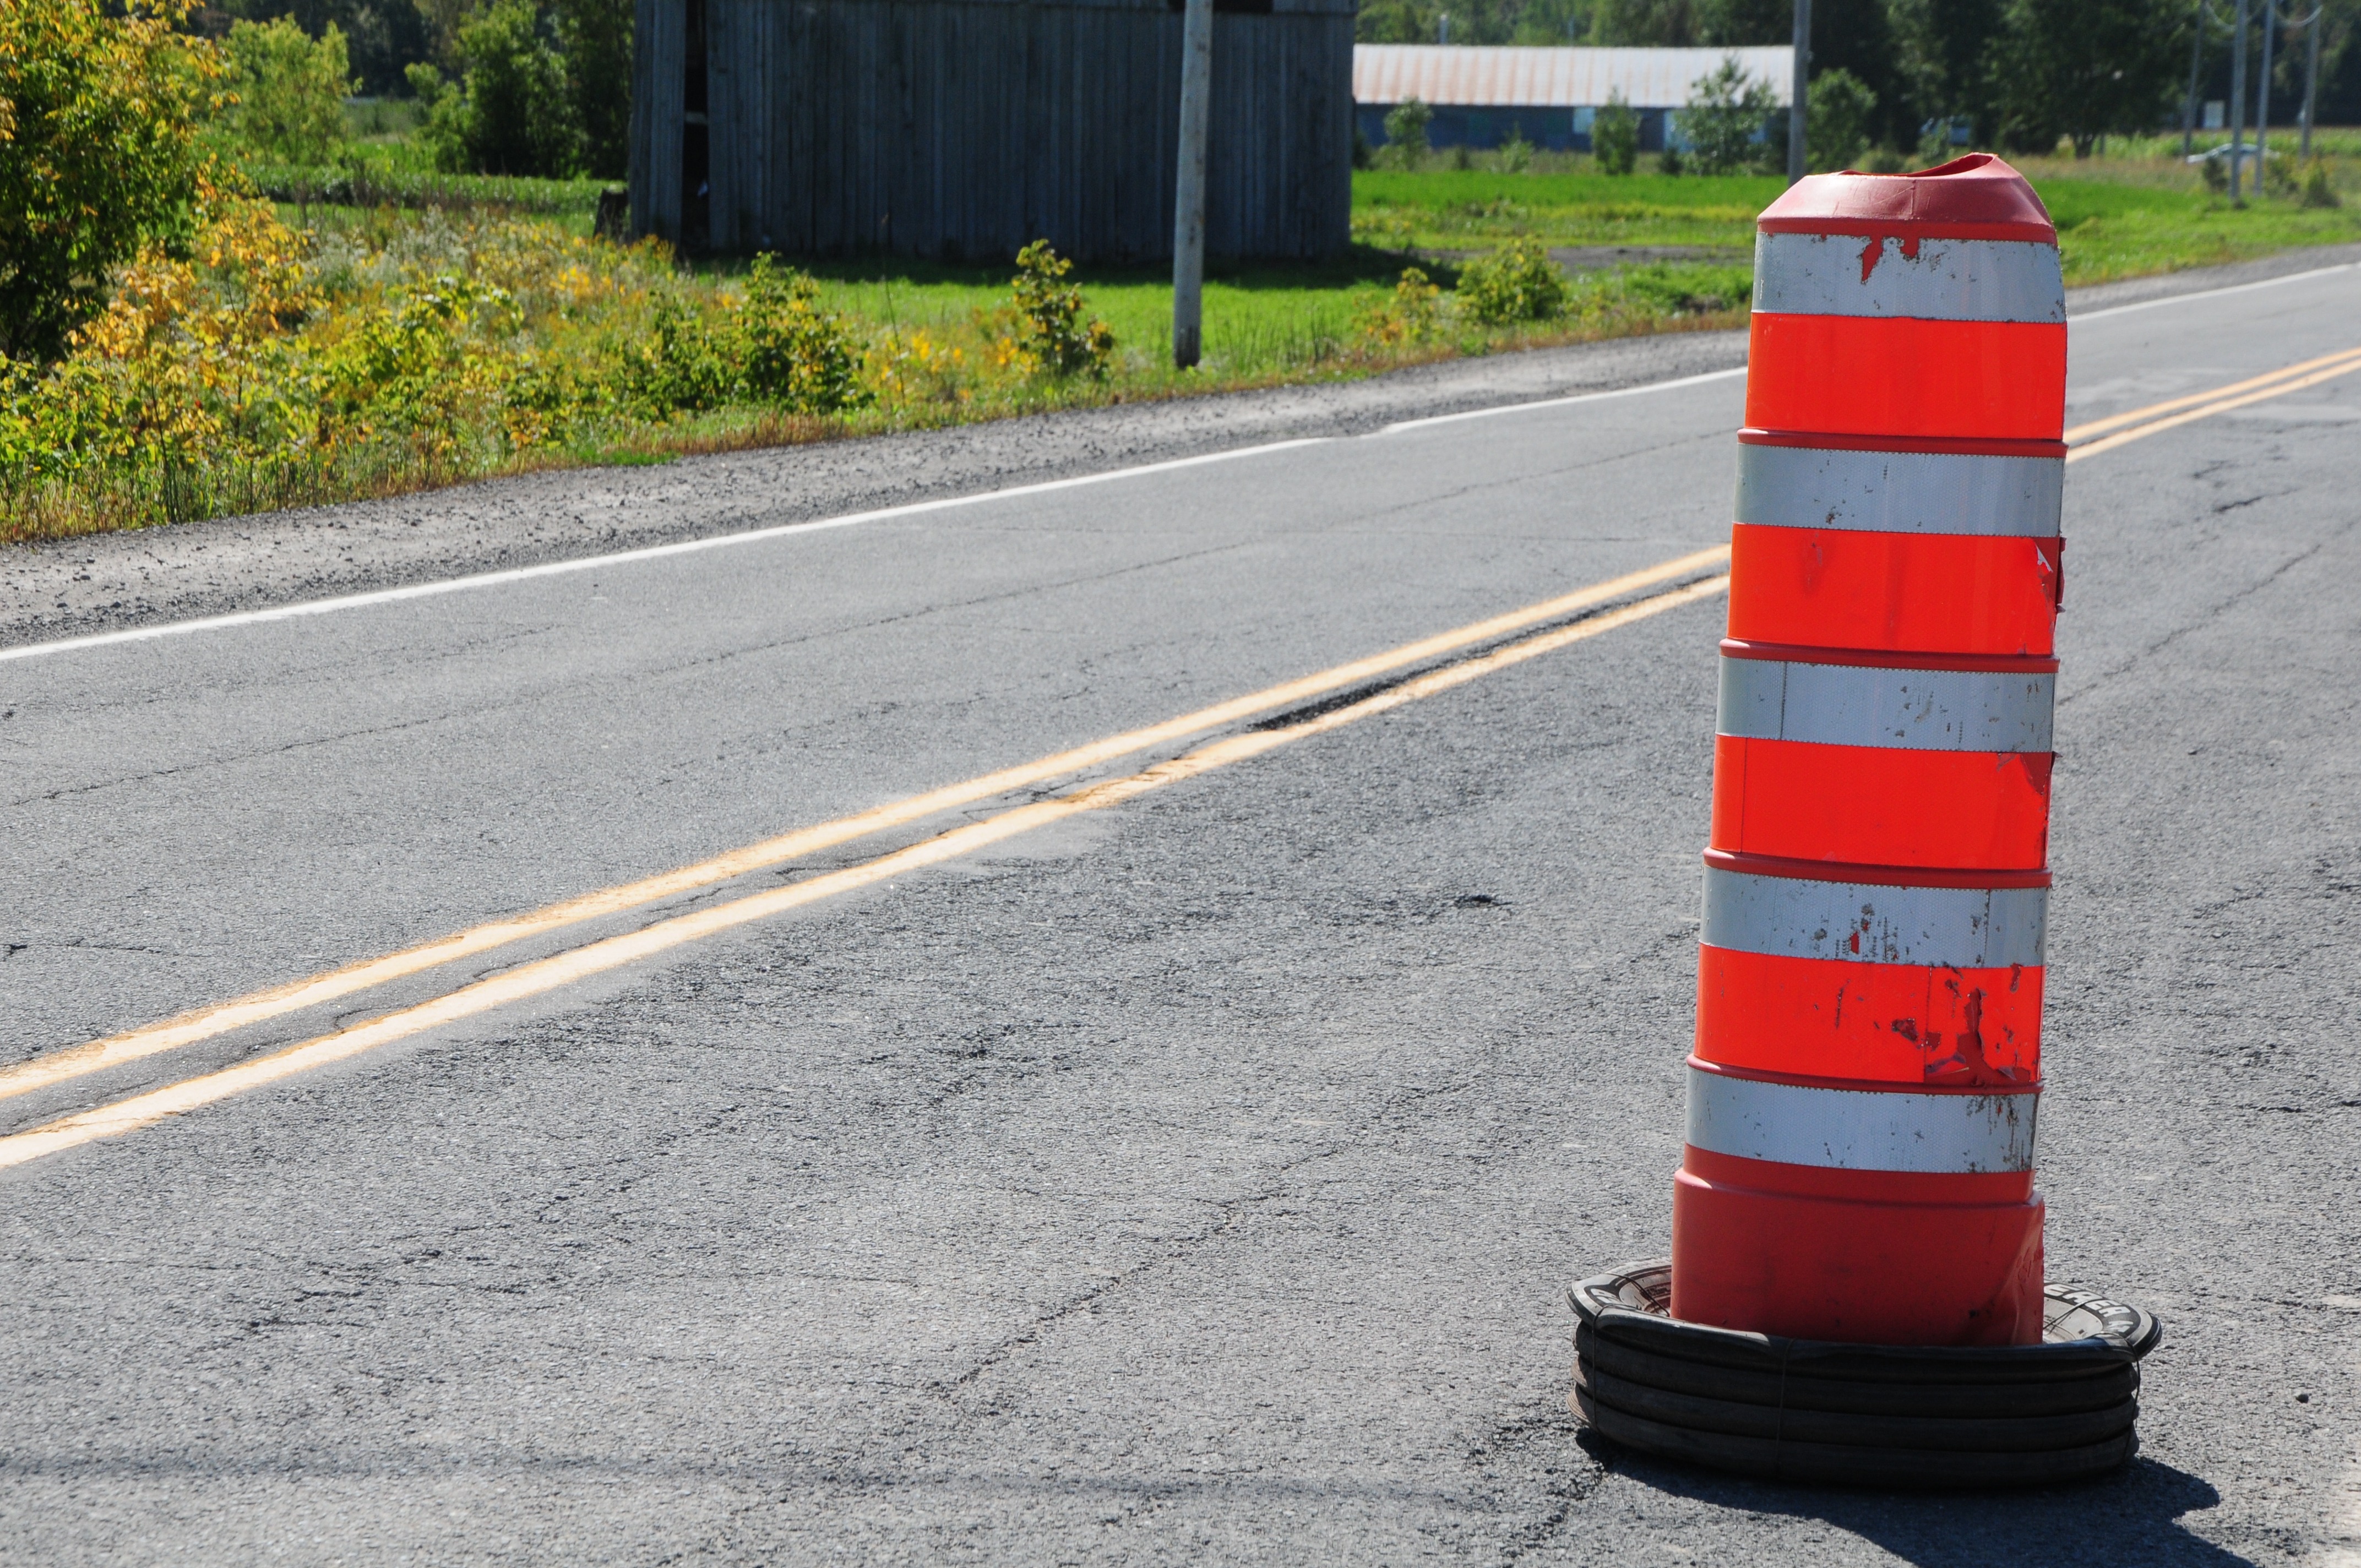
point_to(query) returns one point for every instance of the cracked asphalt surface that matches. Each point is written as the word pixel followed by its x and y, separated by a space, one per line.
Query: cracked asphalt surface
pixel 1195 1181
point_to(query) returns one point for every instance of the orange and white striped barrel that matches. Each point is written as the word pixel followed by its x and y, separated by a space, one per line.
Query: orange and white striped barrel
pixel 1866 1069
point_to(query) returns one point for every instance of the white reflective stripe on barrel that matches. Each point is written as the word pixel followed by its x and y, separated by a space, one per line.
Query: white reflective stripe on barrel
pixel 1798 918
pixel 1900 492
pixel 1859 1129
pixel 1855 705
pixel 1949 279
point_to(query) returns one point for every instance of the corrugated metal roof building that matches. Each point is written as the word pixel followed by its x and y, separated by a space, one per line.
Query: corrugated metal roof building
pixel 1480 94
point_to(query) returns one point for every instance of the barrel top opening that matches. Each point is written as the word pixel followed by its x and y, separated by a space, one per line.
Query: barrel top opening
pixel 1976 197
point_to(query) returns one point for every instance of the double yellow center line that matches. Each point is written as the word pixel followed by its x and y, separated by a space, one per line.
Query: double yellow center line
pixel 1567 618
pixel 2090 440
pixel 535 977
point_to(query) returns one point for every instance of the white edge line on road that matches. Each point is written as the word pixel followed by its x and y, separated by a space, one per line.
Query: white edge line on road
pixel 621 557
pixel 1564 402
pixel 2209 293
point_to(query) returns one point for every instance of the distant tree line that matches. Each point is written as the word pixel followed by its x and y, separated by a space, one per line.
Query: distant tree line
pixel 535 87
pixel 2019 73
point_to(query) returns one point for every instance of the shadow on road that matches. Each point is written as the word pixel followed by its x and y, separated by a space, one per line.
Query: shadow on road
pixel 2131 1518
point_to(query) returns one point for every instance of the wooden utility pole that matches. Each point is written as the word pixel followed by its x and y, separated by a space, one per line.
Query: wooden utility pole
pixel 2238 104
pixel 2310 82
pixel 1800 90
pixel 2263 97
pixel 1189 208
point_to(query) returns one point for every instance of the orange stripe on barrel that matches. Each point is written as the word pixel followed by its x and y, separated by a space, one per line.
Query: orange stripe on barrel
pixel 1929 592
pixel 1879 805
pixel 1874 1258
pixel 1901 1024
pixel 1902 377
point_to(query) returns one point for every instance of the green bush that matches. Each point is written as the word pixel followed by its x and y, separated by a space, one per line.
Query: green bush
pixel 1835 125
pixel 1518 282
pixel 1050 332
pixel 1615 137
pixel 290 90
pixel 513 111
pixel 1516 153
pixel 797 356
pixel 2317 192
pixel 99 151
pixel 1406 127
pixel 1725 116
pixel 1411 314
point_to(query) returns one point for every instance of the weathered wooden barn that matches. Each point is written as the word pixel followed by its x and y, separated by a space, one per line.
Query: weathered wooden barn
pixel 963 130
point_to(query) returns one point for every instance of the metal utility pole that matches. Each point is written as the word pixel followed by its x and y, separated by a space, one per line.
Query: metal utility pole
pixel 2196 58
pixel 2263 97
pixel 1189 208
pixel 2312 79
pixel 1800 91
pixel 2237 103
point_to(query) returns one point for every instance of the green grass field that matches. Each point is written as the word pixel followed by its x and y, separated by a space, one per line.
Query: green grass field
pixel 2117 217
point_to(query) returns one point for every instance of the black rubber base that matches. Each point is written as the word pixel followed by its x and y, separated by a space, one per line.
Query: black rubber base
pixel 1872 1415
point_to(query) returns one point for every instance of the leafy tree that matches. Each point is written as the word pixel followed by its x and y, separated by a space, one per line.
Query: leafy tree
pixel 2083 68
pixel 513 111
pixel 1615 136
pixel 1835 128
pixel 596 35
pixel 291 91
pixel 1943 50
pixel 1645 24
pixel 1474 21
pixel 99 151
pixel 1725 119
pixel 380 36
pixel 1406 124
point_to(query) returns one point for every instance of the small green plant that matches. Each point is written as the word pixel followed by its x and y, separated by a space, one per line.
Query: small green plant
pixel 1463 156
pixel 1615 136
pixel 1385 231
pixel 1518 282
pixel 2215 172
pixel 1406 126
pixel 1051 333
pixel 1670 161
pixel 1936 147
pixel 1516 153
pixel 2317 191
pixel 1411 314
pixel 1885 161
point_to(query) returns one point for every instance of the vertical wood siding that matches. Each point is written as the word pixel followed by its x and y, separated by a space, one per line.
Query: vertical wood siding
pixel 965 128
pixel 656 81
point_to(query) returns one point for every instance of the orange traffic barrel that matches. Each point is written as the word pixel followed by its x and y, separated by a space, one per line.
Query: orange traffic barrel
pixel 1865 1076
pixel 1901 466
pixel 1856 1289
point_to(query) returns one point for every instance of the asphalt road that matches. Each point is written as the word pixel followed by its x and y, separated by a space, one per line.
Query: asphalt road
pixel 1194 1178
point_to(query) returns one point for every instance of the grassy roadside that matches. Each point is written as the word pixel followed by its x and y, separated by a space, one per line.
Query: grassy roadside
pixel 457 329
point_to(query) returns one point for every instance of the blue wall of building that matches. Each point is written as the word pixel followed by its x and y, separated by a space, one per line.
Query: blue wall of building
pixel 1558 130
